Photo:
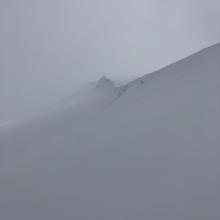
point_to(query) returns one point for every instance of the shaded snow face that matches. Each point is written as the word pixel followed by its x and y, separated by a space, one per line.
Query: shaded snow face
pixel 153 153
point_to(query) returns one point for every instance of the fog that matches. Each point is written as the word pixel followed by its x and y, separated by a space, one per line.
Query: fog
pixel 50 48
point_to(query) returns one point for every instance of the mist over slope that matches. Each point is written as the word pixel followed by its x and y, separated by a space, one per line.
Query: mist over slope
pixel 147 150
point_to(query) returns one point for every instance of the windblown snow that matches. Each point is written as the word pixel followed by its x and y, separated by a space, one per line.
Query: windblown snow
pixel 149 150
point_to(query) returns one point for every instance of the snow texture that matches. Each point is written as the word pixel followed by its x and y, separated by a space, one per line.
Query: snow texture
pixel 147 150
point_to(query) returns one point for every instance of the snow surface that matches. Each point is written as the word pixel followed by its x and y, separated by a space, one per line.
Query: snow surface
pixel 147 150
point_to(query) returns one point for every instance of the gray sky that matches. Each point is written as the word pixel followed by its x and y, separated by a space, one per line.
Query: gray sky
pixel 48 48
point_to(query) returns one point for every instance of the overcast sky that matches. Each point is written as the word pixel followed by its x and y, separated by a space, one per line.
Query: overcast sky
pixel 48 48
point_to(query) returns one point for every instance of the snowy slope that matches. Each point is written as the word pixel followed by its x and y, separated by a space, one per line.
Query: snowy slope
pixel 147 150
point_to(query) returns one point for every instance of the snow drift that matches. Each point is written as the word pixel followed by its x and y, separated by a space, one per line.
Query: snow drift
pixel 146 150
